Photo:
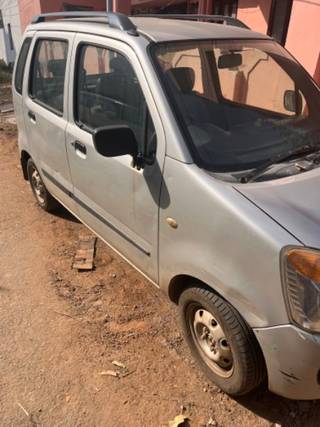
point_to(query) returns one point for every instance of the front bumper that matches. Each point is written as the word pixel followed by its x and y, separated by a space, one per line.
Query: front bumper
pixel 292 358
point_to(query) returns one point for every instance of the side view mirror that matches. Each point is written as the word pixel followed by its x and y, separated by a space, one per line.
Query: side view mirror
pixel 114 141
pixel 292 101
pixel 230 60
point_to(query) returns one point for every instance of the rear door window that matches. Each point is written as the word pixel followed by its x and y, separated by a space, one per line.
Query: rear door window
pixel 48 73
pixel 18 79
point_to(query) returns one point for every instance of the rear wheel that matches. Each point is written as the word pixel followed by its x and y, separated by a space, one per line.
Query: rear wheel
pixel 221 341
pixel 42 195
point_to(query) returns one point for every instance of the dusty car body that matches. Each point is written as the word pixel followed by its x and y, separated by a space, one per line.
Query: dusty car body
pixel 240 222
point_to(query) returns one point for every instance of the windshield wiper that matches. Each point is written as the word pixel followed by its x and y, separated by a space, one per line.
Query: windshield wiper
pixel 282 157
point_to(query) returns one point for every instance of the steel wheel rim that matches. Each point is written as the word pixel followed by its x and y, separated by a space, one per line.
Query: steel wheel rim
pixel 211 342
pixel 38 186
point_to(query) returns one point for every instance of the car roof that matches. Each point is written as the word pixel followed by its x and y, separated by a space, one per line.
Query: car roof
pixel 155 29
pixel 159 30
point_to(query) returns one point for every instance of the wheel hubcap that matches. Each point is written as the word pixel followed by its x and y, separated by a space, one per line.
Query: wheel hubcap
pixel 38 186
pixel 210 338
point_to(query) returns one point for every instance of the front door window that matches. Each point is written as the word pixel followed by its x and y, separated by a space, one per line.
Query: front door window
pixel 109 94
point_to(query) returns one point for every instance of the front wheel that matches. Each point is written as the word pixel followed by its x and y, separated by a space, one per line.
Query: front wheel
pixel 42 195
pixel 221 341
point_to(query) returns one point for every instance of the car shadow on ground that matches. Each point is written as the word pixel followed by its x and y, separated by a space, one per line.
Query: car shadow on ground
pixel 281 411
pixel 63 213
pixel 277 410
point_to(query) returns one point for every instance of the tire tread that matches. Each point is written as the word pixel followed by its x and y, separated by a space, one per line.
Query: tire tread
pixel 248 348
pixel 51 203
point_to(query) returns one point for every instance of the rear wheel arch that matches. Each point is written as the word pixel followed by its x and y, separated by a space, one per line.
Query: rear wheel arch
pixel 24 157
pixel 43 197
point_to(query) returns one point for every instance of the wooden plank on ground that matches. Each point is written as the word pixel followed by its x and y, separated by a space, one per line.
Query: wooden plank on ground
pixel 83 259
pixel 6 108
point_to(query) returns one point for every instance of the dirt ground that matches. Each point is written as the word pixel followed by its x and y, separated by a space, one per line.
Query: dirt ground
pixel 60 330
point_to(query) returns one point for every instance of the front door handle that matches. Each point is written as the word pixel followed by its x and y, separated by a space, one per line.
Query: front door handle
pixel 78 146
pixel 31 115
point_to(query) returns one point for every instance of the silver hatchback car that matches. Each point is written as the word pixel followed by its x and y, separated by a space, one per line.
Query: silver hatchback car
pixel 193 150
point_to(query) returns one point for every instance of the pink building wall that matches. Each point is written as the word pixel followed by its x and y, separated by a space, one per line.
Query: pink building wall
pixel 30 8
pixel 303 39
pixel 48 6
pixel 255 13
pixel 123 6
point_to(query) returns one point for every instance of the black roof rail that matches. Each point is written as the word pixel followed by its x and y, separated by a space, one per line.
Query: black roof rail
pixel 219 19
pixel 115 20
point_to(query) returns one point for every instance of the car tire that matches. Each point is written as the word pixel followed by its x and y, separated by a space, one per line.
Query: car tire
pixel 41 194
pixel 221 341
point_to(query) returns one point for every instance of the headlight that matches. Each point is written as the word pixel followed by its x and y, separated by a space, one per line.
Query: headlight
pixel 301 276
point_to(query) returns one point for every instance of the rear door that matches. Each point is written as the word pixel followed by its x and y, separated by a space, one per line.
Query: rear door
pixel 45 110
pixel 116 200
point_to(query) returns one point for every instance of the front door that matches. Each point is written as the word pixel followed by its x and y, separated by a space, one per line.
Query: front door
pixel 115 199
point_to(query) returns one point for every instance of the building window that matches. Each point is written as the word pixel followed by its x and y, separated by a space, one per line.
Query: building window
pixel 73 7
pixel 171 7
pixel 225 7
pixel 10 37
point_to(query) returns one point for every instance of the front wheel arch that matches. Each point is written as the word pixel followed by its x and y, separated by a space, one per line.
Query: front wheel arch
pixel 181 282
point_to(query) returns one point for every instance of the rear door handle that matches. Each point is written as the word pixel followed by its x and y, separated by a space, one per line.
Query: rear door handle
pixel 78 146
pixel 32 116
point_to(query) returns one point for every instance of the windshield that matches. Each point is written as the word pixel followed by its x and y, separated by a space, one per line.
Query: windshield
pixel 240 102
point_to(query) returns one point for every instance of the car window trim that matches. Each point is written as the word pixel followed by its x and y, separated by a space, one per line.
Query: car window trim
pixel 29 39
pixel 31 96
pixel 75 106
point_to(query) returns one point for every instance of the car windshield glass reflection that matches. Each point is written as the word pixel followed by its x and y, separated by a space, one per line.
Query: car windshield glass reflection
pixel 240 103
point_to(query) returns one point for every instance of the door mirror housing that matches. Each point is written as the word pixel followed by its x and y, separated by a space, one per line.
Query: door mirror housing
pixel 114 141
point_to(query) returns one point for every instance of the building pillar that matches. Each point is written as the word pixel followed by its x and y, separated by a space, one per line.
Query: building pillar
pixel 205 7
pixel 3 46
pixel 122 6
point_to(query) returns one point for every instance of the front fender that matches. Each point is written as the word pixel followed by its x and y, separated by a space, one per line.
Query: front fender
pixel 224 241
